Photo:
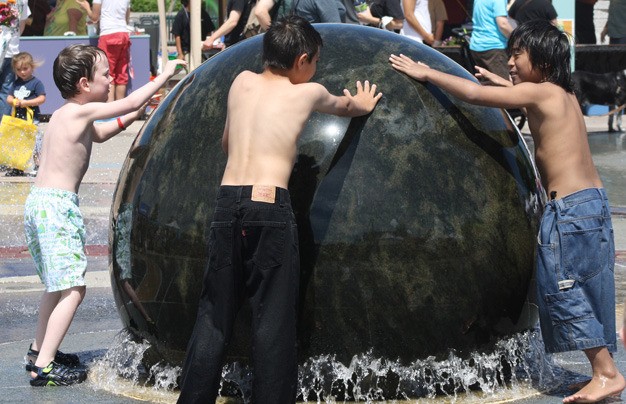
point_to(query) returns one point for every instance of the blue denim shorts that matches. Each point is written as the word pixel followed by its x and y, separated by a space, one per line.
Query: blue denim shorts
pixel 575 278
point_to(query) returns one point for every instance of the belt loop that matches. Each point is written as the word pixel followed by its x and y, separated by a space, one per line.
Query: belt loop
pixel 559 204
pixel 239 190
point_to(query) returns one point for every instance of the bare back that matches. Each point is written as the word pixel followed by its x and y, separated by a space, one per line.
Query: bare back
pixel 266 114
pixel 562 149
pixel 66 150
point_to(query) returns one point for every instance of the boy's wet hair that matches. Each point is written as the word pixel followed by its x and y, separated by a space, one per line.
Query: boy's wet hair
pixel 23 58
pixel 548 50
pixel 73 63
pixel 288 38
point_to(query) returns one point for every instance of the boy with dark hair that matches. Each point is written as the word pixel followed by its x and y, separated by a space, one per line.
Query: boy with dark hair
pixel 253 241
pixel 575 252
pixel 53 224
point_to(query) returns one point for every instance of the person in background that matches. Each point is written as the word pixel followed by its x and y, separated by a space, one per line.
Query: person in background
pixel 11 48
pixel 114 40
pixel 267 11
pixel 27 91
pixel 384 14
pixel 319 11
pixel 616 23
pixel 526 10
pixel 181 29
pixel 417 24
pixel 67 18
pixel 489 36
pixel 35 24
pixel 584 27
pixel 458 14
pixel 350 16
pixel 238 12
pixel 438 18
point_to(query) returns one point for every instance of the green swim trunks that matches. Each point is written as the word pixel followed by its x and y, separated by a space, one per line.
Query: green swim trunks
pixel 55 234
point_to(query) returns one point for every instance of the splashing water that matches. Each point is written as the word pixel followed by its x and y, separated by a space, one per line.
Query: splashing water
pixel 120 371
pixel 516 367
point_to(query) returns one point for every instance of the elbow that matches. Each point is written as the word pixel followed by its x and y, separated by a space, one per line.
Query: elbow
pixel 469 96
pixel 395 24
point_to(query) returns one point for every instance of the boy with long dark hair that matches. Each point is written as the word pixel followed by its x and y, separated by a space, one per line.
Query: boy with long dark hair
pixel 575 251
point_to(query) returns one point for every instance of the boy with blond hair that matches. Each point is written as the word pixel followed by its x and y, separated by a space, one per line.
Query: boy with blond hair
pixel 253 245
pixel 53 223
pixel 575 252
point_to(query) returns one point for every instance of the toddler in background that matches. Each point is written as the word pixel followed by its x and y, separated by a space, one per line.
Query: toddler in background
pixel 26 91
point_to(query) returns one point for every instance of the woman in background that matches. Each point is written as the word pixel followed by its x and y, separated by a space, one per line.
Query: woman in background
pixel 67 16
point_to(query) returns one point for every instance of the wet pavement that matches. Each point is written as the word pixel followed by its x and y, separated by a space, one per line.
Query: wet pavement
pixel 96 326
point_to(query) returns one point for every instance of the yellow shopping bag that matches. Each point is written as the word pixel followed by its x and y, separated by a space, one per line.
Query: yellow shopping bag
pixel 17 140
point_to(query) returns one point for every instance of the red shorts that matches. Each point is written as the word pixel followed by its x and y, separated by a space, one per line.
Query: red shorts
pixel 117 48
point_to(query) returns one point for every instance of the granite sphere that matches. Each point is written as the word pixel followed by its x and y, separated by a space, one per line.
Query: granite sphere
pixel 417 223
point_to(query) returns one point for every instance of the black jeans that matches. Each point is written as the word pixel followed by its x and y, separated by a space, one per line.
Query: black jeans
pixel 253 253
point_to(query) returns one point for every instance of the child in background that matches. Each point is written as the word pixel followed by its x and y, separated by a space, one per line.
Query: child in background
pixel 26 91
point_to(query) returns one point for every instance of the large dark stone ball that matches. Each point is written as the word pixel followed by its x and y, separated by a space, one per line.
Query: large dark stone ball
pixel 416 224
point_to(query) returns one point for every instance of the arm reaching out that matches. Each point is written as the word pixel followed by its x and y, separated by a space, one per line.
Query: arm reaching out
pixel 406 65
pixel 361 103
pixel 130 107
pixel 518 96
pixel 493 78
pixel 365 99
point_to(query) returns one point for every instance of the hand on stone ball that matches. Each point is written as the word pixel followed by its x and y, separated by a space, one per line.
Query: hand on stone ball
pixel 170 67
pixel 365 98
pixel 406 65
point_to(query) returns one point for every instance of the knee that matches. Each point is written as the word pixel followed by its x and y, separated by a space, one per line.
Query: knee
pixel 77 292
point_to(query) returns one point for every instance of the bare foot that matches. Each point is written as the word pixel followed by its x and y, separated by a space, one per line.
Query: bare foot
pixel 598 388
pixel 579 385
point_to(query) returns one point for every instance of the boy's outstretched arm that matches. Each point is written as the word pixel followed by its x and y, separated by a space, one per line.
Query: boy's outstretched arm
pixel 106 130
pixel 362 103
pixel 94 111
pixel 521 95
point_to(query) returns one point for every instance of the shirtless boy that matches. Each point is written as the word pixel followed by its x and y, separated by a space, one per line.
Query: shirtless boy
pixel 53 223
pixel 253 242
pixel 575 255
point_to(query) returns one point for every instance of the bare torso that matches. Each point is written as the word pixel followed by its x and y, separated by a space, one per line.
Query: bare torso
pixel 66 151
pixel 562 151
pixel 266 114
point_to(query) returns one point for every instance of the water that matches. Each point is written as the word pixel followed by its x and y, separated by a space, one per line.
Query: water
pixel 516 368
pixel 609 155
pixel 120 371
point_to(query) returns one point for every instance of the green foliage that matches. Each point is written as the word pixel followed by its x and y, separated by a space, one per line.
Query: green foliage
pixel 148 6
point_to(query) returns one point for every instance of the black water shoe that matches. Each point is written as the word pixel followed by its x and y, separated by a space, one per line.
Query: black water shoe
pixel 69 360
pixel 56 374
